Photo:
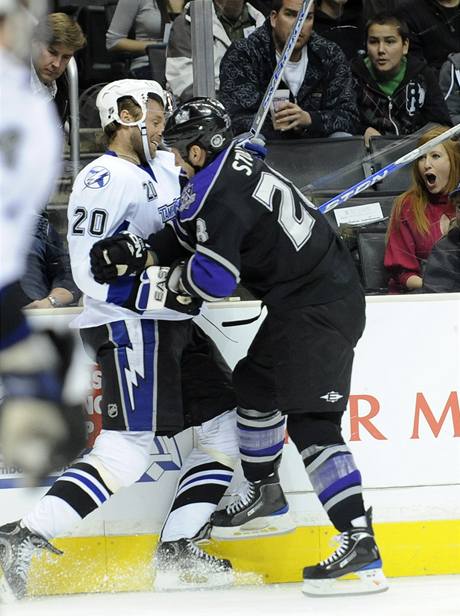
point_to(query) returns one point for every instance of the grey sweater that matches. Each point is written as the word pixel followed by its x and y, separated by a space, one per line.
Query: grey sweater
pixel 144 15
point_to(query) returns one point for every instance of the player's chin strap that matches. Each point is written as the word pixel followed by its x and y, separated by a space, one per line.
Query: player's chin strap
pixel 145 141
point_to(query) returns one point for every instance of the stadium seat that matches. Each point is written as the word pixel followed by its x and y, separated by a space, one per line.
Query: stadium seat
pixel 319 164
pixel 157 59
pixel 387 149
pixel 371 251
pixel 97 64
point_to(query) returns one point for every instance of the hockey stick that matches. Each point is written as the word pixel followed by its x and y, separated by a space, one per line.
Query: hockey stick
pixel 261 114
pixel 390 168
pixel 393 149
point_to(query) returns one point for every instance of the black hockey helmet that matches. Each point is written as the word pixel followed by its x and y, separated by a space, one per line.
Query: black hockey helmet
pixel 201 120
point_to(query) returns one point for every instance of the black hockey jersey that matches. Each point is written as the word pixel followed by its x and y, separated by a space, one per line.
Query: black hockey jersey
pixel 246 222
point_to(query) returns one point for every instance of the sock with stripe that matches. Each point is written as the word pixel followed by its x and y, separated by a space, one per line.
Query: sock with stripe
pixel 79 491
pixel 198 493
pixel 261 439
pixel 337 482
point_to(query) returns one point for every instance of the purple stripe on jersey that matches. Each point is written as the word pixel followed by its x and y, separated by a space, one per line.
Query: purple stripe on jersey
pixel 353 479
pixel 121 227
pixel 226 478
pixel 268 451
pixel 120 290
pixel 211 277
pixel 94 489
pixel 143 297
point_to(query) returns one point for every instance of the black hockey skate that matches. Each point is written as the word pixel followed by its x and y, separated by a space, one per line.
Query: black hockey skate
pixel 182 565
pixel 17 545
pixel 261 510
pixel 357 555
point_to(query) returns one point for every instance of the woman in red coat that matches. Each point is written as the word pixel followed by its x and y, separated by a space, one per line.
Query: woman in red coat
pixel 422 214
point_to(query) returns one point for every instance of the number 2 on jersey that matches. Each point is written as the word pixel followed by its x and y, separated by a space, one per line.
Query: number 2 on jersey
pixel 298 229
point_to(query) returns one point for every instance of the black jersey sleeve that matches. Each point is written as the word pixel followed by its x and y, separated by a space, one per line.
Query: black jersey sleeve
pixel 167 245
pixel 217 223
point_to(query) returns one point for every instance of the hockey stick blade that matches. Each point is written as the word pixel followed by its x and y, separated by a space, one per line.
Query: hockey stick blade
pixel 390 168
pixel 261 114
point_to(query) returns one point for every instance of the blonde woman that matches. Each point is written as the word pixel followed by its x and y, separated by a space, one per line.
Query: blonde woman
pixel 422 214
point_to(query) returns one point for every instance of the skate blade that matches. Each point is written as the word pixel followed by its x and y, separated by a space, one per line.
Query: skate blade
pixel 259 527
pixel 359 583
pixel 6 594
pixel 192 580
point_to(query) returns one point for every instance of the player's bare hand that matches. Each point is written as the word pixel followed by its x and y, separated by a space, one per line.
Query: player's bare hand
pixel 290 116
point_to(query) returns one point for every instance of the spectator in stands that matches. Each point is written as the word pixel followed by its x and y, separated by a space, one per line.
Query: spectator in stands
pixel 449 81
pixel 322 100
pixel 334 22
pixel 434 28
pixel 148 18
pixel 442 271
pixel 397 94
pixel 232 20
pixel 48 282
pixel 55 40
pixel 422 214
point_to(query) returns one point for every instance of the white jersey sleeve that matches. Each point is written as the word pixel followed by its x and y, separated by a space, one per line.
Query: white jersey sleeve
pixel 30 161
pixel 109 196
pixel 105 200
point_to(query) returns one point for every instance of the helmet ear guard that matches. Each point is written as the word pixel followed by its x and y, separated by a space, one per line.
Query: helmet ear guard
pixel 201 121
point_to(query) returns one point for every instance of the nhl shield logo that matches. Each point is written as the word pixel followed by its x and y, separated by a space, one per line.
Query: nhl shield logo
pixel 112 410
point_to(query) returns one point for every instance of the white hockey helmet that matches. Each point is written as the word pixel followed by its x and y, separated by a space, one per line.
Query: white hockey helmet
pixel 137 89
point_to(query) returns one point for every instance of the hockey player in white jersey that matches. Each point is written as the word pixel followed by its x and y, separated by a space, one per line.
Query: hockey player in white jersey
pixel 160 372
pixel 39 431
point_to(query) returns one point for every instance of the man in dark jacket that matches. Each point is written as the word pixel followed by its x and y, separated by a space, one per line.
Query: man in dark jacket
pixel 397 94
pixel 341 22
pixel 322 100
pixel 434 28
pixel 47 281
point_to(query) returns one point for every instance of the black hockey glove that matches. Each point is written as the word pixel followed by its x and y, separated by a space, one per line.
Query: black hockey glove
pixel 42 426
pixel 119 255
pixel 254 145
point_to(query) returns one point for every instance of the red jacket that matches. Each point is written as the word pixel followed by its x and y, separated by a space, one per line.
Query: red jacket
pixel 407 248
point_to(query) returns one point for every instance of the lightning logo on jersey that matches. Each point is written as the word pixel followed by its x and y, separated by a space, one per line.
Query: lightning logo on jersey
pixel 134 359
pixel 97 177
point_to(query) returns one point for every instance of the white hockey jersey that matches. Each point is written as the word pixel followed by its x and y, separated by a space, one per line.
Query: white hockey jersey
pixel 30 155
pixel 111 195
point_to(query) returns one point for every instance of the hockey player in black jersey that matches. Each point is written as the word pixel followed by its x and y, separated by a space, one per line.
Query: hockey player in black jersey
pixel 240 220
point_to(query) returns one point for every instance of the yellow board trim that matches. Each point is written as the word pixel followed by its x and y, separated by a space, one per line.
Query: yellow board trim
pixel 123 563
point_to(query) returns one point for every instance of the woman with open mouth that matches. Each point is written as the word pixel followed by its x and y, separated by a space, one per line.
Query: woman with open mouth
pixel 421 215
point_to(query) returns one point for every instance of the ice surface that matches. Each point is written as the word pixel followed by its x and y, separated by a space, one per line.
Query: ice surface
pixel 418 596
